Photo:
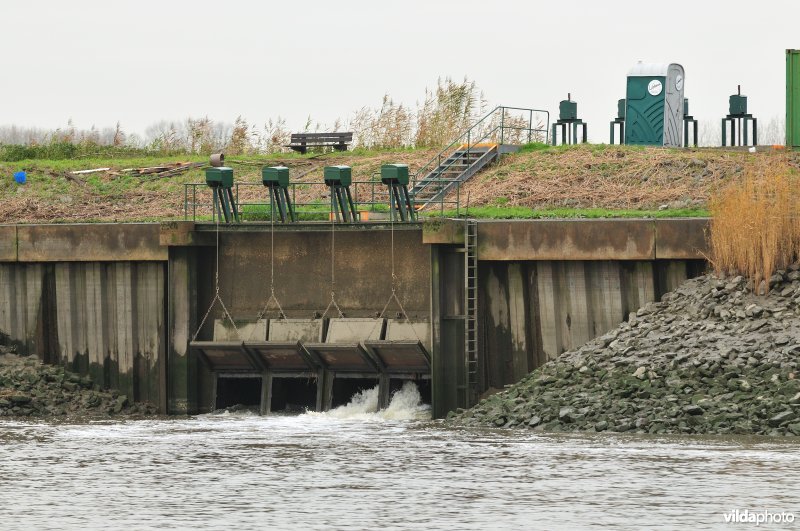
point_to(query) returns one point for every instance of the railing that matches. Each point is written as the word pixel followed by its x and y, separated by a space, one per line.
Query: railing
pixel 482 130
pixel 368 196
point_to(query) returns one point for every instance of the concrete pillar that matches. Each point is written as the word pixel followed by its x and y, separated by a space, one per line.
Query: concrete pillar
pixel 577 319
pixel 447 284
pixel 7 298
pixel 549 309
pixel 536 353
pixel 496 340
pixel 517 318
pixel 21 294
pixel 149 331
pixel 124 341
pixel 182 314
pixel 96 321
pixel 671 274
pixel 603 283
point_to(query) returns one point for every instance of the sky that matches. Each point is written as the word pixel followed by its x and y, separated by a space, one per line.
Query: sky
pixel 141 62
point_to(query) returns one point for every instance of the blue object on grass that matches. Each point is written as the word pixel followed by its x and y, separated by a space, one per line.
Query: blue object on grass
pixel 20 177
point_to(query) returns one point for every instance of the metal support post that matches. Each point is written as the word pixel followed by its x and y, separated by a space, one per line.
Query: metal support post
pixel 621 123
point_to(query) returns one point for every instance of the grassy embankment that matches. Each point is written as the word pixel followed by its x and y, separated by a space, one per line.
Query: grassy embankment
pixel 589 181
pixel 53 194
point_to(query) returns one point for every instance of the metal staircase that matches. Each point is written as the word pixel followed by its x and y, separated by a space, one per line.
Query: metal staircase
pixel 470 310
pixel 474 149
pixel 462 164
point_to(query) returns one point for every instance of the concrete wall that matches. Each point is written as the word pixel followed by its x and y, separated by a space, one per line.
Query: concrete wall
pixel 106 319
pixel 22 306
pixel 532 311
pixel 302 273
pixel 122 302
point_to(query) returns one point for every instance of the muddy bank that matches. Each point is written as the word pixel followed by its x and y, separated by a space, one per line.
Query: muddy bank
pixel 712 357
pixel 29 388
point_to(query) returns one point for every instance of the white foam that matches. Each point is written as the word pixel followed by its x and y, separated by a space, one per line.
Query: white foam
pixel 405 404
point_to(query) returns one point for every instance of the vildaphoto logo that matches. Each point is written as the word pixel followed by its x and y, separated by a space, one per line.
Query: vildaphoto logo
pixel 747 516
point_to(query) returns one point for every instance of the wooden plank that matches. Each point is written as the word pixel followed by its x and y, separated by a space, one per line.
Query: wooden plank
pixel 84 172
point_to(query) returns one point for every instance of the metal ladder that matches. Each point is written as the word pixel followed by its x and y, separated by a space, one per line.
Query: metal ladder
pixel 470 310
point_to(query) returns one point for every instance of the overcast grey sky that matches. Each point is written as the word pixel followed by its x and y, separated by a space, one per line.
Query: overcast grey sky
pixel 139 62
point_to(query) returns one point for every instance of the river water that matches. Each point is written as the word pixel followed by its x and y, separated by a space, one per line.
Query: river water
pixel 354 469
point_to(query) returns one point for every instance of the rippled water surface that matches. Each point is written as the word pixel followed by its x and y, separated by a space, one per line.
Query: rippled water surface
pixel 361 470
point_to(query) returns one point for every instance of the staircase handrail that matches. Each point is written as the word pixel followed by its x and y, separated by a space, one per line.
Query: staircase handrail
pixel 426 182
pixel 460 139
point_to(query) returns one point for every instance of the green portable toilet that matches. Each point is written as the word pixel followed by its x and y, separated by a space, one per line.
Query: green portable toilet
pixel 654 105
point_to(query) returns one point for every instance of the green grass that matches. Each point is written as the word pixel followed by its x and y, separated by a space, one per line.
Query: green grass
pixel 498 212
pixel 304 212
pixel 534 146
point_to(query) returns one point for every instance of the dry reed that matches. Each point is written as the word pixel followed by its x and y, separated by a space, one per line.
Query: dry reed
pixel 755 228
pixel 611 177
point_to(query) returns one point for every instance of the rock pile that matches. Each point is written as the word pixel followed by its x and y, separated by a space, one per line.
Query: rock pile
pixel 711 357
pixel 30 389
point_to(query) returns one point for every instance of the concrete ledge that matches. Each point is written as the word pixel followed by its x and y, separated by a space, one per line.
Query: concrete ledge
pixel 89 242
pixel 681 239
pixel 443 231
pixel 177 233
pixel 503 240
pixel 8 243
pixel 589 239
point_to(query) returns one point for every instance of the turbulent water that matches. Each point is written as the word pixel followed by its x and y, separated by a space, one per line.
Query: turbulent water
pixel 356 468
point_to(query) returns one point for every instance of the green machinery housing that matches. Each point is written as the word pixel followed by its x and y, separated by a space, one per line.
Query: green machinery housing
pixel 654 105
pixel 568 122
pixel 395 176
pixel 276 180
pixel 739 117
pixel 220 180
pixel 793 99
pixel 618 121
pixel 338 179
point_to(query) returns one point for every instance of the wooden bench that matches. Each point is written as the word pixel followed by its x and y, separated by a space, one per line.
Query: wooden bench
pixel 302 141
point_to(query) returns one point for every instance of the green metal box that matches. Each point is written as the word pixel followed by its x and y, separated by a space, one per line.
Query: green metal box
pixel 621 108
pixel 219 177
pixel 394 174
pixel 686 106
pixel 793 99
pixel 341 175
pixel 738 105
pixel 271 175
pixel 568 110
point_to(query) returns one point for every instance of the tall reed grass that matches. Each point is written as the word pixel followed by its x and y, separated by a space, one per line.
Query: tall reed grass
pixel 445 112
pixel 755 226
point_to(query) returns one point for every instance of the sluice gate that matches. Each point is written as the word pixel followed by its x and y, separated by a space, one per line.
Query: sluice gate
pixel 313 364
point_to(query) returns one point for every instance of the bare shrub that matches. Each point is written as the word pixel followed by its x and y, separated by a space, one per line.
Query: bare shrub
pixel 239 143
pixel 274 137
